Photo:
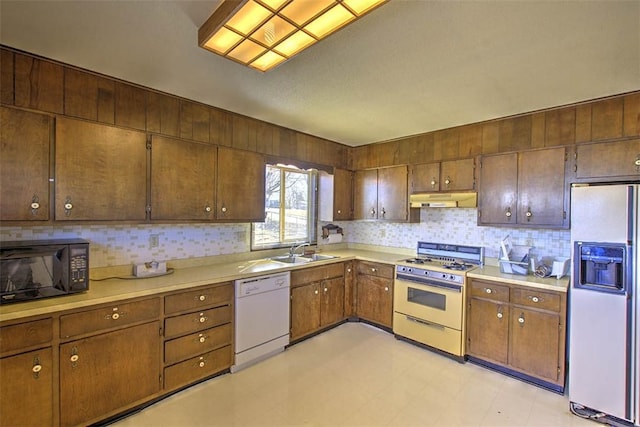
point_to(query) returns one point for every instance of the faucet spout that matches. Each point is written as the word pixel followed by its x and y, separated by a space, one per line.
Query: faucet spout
pixel 294 248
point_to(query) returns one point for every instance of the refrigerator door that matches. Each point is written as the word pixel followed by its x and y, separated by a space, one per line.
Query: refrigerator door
pixel 600 213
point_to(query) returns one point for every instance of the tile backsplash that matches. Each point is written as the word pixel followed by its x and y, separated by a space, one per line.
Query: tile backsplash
pixel 114 245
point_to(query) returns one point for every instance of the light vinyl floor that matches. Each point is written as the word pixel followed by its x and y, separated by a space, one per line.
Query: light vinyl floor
pixel 358 375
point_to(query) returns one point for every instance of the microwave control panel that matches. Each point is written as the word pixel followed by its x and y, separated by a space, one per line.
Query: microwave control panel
pixel 79 266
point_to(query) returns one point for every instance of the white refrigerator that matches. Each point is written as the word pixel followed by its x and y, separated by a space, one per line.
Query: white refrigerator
pixel 604 340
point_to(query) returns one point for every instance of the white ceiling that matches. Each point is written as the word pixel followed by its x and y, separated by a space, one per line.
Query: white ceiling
pixel 410 67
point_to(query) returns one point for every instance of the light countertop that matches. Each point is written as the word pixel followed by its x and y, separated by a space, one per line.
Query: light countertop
pixel 489 272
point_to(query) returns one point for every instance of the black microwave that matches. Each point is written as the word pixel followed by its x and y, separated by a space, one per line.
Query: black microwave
pixel 34 269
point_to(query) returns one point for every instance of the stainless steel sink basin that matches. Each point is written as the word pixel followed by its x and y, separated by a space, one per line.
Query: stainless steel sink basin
pixel 296 259
pixel 319 257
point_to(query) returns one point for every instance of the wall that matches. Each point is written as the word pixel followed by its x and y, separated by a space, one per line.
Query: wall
pixel 113 245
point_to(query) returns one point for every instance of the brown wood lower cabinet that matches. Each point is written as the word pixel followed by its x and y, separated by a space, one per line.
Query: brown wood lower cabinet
pixel 519 330
pixel 374 292
pixel 317 299
pixel 103 374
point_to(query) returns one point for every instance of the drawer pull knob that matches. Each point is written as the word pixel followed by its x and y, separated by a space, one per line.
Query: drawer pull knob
pixel 386 289
pixel 202 339
pixel 202 297
pixel 315 292
pixel 207 209
pixel 201 364
pixel 74 358
pixel 202 319
pixel 115 316
pixel 508 212
pixel 499 315
pixel 433 182
pixel 36 368
pixel 373 270
pixel 325 289
pixel 535 299
pixel 521 319
pixel 488 290
pixel 339 211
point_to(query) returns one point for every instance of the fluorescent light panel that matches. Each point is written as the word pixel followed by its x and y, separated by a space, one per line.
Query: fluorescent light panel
pixel 264 33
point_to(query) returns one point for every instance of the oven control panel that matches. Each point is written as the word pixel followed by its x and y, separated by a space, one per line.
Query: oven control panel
pixel 437 275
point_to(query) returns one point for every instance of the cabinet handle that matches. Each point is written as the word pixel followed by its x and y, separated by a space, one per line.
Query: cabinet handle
pixel 373 270
pixel 433 182
pixel 202 319
pixel 507 213
pixel 348 270
pixel 499 315
pixel 521 319
pixel 488 290
pixel 201 297
pixel 74 357
pixel 529 214
pixel 383 212
pixel 68 206
pixel 115 315
pixel 386 289
pixel 36 368
pixel 637 163
pixel 315 292
pixel 326 289
pixel 373 212
pixel 202 362
pixel 535 299
pixel 447 181
pixel 207 209
pixel 339 211
pixel 223 209
pixel 35 204
pixel 202 338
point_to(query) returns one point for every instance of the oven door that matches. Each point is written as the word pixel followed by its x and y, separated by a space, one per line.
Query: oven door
pixel 429 301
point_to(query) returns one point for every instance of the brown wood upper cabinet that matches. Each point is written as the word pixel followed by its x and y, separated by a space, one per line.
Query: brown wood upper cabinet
pixel 182 179
pixel 526 189
pixel 382 194
pixel 335 195
pixel 607 161
pixel 24 175
pixel 240 185
pixel 454 175
pixel 100 172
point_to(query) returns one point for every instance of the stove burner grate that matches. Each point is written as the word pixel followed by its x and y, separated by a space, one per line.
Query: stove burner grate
pixel 457 266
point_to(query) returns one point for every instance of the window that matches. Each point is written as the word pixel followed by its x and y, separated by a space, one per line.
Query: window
pixel 290 206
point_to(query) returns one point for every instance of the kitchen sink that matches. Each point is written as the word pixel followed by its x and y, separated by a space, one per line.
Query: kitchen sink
pixel 301 259
pixel 319 257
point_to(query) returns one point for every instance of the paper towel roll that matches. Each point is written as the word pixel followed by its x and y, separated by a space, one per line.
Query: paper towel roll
pixel 332 238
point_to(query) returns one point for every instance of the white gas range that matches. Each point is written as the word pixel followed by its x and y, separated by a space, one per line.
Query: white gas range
pixel 429 295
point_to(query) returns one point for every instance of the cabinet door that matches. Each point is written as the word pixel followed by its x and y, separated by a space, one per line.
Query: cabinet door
pixel 305 310
pixel 365 194
pixel 541 187
pixel 498 193
pixel 332 307
pixel 100 172
pixel 608 160
pixel 392 193
pixel 488 330
pixel 97 374
pixel 425 177
pixel 342 195
pixel 24 165
pixel 457 175
pixel 182 179
pixel 27 389
pixel 535 343
pixel 375 299
pixel 240 185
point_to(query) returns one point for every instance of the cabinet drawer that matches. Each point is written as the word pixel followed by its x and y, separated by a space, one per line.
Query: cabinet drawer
pixel 375 269
pixel 25 335
pixel 193 322
pixel 315 274
pixel 536 299
pixel 196 368
pixel 184 347
pixel 109 317
pixel 490 290
pixel 193 300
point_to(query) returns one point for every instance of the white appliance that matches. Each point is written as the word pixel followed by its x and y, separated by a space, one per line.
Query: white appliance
pixel 261 318
pixel 603 304
pixel 429 295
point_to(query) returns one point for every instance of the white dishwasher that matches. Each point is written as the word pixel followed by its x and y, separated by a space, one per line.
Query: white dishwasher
pixel 261 318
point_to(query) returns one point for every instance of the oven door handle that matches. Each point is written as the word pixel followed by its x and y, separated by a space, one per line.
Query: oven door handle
pixel 426 282
pixel 423 322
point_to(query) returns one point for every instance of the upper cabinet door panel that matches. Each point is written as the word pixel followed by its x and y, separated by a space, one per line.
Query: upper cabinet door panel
pixel 425 177
pixel 541 187
pixel 182 179
pixel 608 160
pixel 240 185
pixel 365 199
pixel 342 195
pixel 457 175
pixel 24 171
pixel 100 172
pixel 392 193
pixel 497 198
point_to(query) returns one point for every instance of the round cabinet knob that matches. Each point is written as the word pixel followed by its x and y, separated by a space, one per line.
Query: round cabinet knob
pixel 535 299
pixel 386 289
pixel 68 206
pixel 348 270
pixel 488 290
pixel 433 182
pixel 383 212
pixel 202 339
pixel 202 297
pixel 115 316
pixel 521 320
pixel 499 315
pixel 202 319
pixel 529 214
pixel 223 209
pixel 35 205
pixel 637 162
pixel 315 292
pixel 373 270
pixel 74 358
pixel 373 212
pixel 36 368
pixel 207 208
pixel 339 211
pixel 508 213
pixel 447 181
pixel 326 290
pixel 201 364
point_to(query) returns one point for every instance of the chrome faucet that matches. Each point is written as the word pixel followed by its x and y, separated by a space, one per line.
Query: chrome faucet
pixel 294 248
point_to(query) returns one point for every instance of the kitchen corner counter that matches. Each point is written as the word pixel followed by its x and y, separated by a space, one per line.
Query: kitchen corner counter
pixel 113 290
pixel 489 272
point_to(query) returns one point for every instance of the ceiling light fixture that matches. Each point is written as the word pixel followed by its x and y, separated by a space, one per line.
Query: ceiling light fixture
pixel 264 33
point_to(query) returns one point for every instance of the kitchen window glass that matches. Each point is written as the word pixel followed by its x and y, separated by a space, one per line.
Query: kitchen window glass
pixel 290 207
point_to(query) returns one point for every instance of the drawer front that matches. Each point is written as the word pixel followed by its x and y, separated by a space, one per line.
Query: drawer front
pixel 489 290
pixel 375 269
pixel 109 317
pixel 316 274
pixel 197 343
pixel 536 299
pixel 193 322
pixel 196 368
pixel 193 300
pixel 25 335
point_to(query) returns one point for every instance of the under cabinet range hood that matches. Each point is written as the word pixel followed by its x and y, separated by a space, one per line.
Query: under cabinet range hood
pixel 444 200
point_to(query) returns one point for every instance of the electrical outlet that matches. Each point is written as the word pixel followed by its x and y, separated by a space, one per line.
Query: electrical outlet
pixel 154 240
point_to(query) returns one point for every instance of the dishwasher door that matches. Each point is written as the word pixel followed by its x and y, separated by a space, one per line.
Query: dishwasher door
pixel 262 318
